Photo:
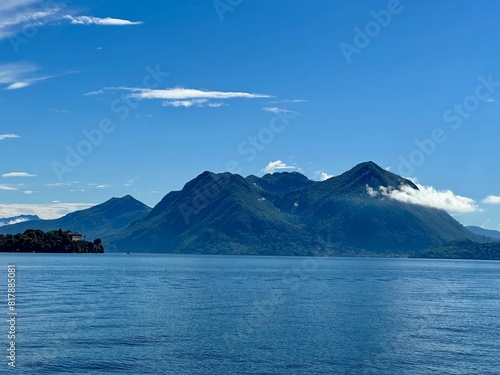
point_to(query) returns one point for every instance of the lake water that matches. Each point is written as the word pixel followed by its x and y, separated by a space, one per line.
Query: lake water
pixel 165 314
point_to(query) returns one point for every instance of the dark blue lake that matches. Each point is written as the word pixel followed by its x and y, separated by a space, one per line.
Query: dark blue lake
pixel 164 314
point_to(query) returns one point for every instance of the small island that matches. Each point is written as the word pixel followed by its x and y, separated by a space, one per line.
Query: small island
pixel 56 241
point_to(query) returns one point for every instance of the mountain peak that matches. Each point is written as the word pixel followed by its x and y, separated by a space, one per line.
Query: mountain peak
pixel 369 174
pixel 368 166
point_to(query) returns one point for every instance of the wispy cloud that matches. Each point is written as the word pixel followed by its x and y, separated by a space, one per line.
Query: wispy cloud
pixel 279 110
pixel 98 92
pixel 44 211
pixel 216 104
pixel 289 101
pixel 20 75
pixel 18 174
pixel 17 15
pixel 491 199
pixel 62 184
pixel 5 187
pixel 129 182
pixel 6 136
pixel 59 110
pixel 278 165
pixel 427 196
pixel 14 73
pixel 108 21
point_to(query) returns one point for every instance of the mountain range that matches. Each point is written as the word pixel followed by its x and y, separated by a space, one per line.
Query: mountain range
pixel 100 221
pixel 17 219
pixel 277 214
pixel 484 232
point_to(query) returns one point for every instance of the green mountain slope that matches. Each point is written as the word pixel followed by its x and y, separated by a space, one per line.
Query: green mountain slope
pixel 341 210
pixel 287 214
pixel 214 214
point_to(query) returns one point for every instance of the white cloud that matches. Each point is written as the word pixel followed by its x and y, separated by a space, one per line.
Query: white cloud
pixel 322 175
pixel 12 222
pixel 44 211
pixel 18 85
pixel 18 174
pixel 200 103
pixel 103 186
pixel 371 192
pixel 278 165
pixel 428 196
pixel 491 199
pixel 5 187
pixel 5 136
pixel 108 21
pixel 28 192
pixel 279 110
pixel 180 93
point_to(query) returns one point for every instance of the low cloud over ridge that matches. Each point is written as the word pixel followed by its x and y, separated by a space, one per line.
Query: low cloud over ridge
pixel 278 165
pixel 427 196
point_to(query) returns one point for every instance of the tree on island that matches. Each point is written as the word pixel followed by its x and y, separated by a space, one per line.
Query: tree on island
pixel 56 241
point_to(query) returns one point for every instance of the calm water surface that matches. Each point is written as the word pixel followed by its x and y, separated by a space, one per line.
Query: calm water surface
pixel 164 314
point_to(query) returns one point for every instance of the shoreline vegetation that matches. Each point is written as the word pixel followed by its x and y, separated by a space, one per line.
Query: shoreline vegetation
pixel 55 241
pixel 59 241
pixel 463 250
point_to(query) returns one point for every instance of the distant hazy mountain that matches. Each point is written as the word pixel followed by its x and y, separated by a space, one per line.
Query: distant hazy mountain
pixel 100 221
pixel 484 232
pixel 17 219
pixel 287 214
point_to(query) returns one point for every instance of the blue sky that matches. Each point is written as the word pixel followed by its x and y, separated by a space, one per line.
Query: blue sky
pixel 108 98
